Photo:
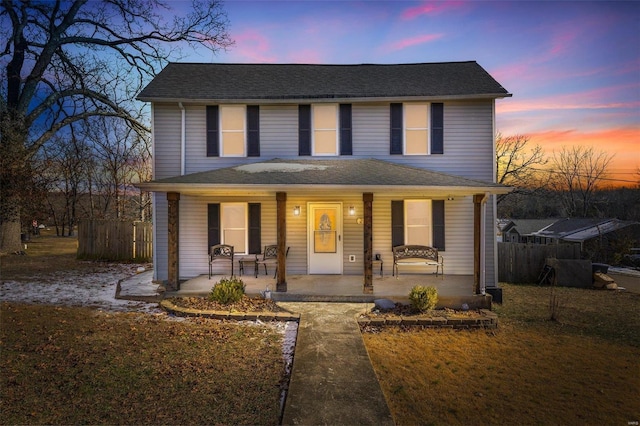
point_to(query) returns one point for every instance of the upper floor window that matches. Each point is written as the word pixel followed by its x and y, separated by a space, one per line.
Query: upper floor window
pixel 417 128
pixel 325 129
pixel 232 130
pixel 416 136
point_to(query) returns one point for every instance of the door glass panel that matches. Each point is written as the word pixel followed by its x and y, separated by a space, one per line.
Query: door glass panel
pixel 324 223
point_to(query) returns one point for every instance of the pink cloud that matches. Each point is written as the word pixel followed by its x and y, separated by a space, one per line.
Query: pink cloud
pixel 412 41
pixel 253 46
pixel 430 8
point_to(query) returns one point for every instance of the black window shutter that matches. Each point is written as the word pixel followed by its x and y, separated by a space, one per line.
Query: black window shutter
pixel 437 128
pixel 345 130
pixel 304 129
pixel 213 226
pixel 437 216
pixel 397 223
pixel 213 146
pixel 396 129
pixel 253 131
pixel 255 242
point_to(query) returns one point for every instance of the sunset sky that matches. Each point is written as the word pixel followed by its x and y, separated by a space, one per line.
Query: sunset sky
pixel 573 67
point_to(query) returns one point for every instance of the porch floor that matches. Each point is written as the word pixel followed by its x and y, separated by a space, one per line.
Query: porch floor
pixel 453 290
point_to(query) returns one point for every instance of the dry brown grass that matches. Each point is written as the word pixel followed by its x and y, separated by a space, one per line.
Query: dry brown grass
pixel 61 365
pixel 80 366
pixel 45 253
pixel 582 369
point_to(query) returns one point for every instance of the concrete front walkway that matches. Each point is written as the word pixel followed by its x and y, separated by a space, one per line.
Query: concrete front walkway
pixel 332 382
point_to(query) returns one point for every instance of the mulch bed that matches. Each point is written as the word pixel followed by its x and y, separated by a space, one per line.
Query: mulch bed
pixel 403 310
pixel 247 304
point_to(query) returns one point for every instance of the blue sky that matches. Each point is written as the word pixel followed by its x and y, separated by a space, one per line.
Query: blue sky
pixel 573 67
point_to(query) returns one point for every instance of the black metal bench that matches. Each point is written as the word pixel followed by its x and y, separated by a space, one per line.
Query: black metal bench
pixel 220 253
pixel 416 255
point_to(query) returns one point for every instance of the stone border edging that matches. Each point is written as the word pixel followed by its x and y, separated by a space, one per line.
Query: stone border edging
pixel 227 315
pixel 490 321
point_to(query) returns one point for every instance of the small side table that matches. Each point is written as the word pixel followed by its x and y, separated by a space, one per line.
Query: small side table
pixel 248 260
pixel 378 262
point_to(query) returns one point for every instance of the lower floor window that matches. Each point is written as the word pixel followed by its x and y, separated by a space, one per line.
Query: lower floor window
pixel 233 222
pixel 418 222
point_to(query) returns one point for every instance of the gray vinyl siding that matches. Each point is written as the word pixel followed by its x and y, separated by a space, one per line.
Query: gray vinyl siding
pixel 468 139
pixel 194 260
pixel 458 257
pixel 370 134
pixel 166 139
pixel 468 152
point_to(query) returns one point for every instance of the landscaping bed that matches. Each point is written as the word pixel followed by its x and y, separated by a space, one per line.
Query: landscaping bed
pixel 247 308
pixel 406 315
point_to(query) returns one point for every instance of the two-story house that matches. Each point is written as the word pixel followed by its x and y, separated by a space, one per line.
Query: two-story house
pixel 337 163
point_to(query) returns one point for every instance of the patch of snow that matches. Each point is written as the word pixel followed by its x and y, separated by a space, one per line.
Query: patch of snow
pixel 278 167
pixel 77 288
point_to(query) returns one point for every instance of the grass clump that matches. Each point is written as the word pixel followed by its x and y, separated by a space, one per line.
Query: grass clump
pixel 423 298
pixel 227 291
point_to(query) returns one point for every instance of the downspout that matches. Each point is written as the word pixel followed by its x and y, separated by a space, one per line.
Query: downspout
pixel 183 139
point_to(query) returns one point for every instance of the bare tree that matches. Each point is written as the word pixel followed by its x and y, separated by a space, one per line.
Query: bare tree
pixel 575 175
pixel 518 164
pixel 65 61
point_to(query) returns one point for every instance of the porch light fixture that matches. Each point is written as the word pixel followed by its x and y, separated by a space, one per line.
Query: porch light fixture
pixel 296 211
pixel 450 198
pixel 352 211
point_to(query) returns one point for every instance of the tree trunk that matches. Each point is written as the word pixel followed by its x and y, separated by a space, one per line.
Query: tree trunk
pixel 10 231
pixel 15 180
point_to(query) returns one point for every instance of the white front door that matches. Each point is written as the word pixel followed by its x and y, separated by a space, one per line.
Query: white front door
pixel 325 238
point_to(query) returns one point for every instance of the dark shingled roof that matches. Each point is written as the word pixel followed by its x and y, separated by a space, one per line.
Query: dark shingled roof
pixel 352 172
pixel 205 82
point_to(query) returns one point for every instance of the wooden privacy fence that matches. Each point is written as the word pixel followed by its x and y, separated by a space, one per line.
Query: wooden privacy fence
pixel 115 240
pixel 522 262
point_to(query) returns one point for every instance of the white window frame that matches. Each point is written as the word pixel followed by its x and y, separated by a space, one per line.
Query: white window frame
pixel 335 129
pixel 406 128
pixel 409 229
pixel 222 131
pixel 223 225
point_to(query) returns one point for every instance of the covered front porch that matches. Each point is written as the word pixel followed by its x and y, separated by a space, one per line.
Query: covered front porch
pixel 453 290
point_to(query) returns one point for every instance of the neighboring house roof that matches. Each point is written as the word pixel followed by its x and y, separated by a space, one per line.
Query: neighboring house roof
pixel 527 226
pixel 221 82
pixel 582 229
pixel 317 174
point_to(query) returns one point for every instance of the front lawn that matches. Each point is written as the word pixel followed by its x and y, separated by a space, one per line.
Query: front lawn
pixel 582 369
pixel 61 365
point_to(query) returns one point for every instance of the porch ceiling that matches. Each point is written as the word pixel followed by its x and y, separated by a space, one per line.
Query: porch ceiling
pixel 345 175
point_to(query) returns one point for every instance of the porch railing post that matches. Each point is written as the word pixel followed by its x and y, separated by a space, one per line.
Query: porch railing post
pixel 367 199
pixel 281 241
